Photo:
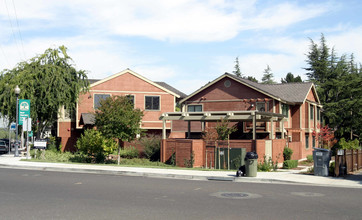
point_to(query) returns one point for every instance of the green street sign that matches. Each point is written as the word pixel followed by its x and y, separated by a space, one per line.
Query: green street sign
pixel 24 110
pixel 30 133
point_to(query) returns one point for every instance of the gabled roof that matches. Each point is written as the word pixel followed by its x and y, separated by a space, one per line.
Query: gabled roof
pixel 94 82
pixel 167 86
pixel 287 92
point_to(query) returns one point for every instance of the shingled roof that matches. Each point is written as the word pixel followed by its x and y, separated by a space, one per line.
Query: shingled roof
pixel 286 92
pixel 289 92
pixel 167 86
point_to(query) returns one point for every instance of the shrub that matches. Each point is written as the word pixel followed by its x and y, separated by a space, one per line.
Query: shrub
pixel 289 164
pixel 129 153
pixel 94 145
pixel 53 156
pixel 331 169
pixel 309 158
pixel 267 165
pixel 52 145
pixel 287 153
pixel 152 145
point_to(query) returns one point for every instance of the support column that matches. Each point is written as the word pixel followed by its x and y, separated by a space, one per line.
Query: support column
pixel 282 122
pixel 163 142
pixel 271 136
pixel 254 125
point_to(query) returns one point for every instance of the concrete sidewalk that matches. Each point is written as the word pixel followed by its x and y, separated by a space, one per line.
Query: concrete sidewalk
pixel 287 177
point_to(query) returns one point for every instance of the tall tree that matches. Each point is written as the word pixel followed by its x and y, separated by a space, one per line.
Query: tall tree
pixel 49 80
pixel 237 71
pixel 289 78
pixel 116 118
pixel 338 81
pixel 252 78
pixel 268 76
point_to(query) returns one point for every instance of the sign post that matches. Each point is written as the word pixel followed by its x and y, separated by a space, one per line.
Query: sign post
pixel 27 128
pixel 24 110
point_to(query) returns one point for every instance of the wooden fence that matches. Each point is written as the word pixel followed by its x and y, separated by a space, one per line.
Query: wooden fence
pixel 347 161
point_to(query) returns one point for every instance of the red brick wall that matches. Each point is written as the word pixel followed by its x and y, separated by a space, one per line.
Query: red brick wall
pixel 295 114
pixel 260 149
pixel 198 149
pixel 278 148
pixel 219 92
pixel 128 84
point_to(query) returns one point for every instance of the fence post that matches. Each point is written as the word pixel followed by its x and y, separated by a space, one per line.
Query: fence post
pixel 336 165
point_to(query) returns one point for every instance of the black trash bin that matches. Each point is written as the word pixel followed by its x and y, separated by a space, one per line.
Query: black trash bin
pixel 321 159
pixel 251 164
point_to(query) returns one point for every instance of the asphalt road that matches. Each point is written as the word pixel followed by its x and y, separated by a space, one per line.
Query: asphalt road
pixel 26 194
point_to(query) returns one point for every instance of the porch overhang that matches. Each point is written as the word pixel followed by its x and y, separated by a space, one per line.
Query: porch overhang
pixel 218 115
pixel 232 116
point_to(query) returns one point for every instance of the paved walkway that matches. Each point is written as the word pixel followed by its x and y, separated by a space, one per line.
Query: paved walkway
pixel 288 177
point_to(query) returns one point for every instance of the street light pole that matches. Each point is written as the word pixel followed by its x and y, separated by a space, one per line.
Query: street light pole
pixel 17 92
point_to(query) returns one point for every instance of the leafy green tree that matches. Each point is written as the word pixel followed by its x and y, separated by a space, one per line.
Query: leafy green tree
pixel 49 80
pixel 338 81
pixel 116 118
pixel 291 79
pixel 268 76
pixel 237 71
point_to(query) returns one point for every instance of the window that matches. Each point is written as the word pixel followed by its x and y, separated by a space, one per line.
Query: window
pixel 98 98
pixel 285 109
pixel 131 99
pixel 152 103
pixel 313 142
pixel 307 141
pixel 260 106
pixel 311 107
pixel 194 108
pixel 318 113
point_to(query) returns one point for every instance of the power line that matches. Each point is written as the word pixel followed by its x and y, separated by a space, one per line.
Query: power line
pixel 12 29
pixel 17 23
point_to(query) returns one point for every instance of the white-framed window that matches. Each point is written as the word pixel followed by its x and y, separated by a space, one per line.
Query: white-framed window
pixel 318 113
pixel 194 108
pixel 131 99
pixel 152 103
pixel 260 106
pixel 98 98
pixel 311 110
pixel 285 110
pixel 306 141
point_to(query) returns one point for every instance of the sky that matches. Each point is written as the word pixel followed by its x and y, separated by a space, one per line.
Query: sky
pixel 185 43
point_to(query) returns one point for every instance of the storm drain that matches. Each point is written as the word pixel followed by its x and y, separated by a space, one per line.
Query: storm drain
pixel 236 195
pixel 307 194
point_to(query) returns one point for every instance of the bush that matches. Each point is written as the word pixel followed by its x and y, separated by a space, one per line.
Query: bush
pixel 309 158
pixel 152 145
pixel 331 169
pixel 95 146
pixel 129 153
pixel 290 164
pixel 287 153
pixel 52 145
pixel 52 156
pixel 267 165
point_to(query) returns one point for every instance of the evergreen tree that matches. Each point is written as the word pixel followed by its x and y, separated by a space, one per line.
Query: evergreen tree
pixel 338 82
pixel 290 78
pixel 268 76
pixel 252 78
pixel 237 71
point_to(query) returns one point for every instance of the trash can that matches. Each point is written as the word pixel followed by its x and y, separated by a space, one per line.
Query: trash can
pixel 251 164
pixel 321 159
